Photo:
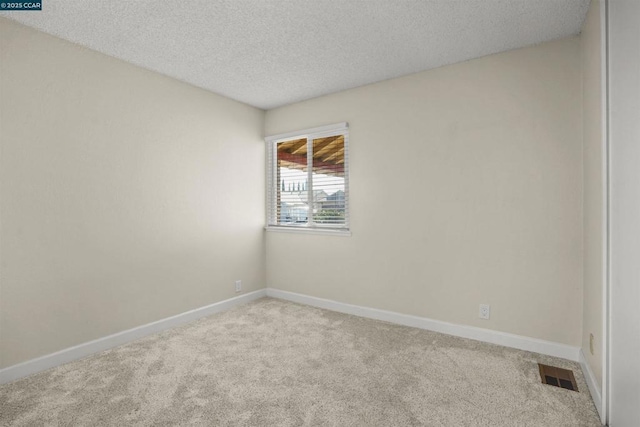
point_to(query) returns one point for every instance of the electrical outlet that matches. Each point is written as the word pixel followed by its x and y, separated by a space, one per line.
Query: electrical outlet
pixel 238 285
pixel 485 311
pixel 591 343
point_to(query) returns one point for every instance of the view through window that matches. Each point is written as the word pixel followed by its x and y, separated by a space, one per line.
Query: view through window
pixel 309 181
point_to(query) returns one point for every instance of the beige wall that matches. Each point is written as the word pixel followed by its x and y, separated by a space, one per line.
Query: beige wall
pixel 593 189
pixel 126 196
pixel 466 188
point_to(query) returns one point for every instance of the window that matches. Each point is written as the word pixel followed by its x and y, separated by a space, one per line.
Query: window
pixel 308 180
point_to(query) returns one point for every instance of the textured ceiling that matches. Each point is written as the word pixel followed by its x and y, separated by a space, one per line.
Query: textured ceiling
pixel 269 53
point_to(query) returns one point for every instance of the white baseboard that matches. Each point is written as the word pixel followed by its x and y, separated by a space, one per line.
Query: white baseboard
pixel 70 354
pixel 80 351
pixel 479 334
pixel 594 389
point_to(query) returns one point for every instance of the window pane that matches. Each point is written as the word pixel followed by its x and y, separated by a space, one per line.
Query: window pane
pixel 308 179
pixel 328 180
pixel 292 182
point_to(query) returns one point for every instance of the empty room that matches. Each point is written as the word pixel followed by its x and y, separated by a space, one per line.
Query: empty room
pixel 320 212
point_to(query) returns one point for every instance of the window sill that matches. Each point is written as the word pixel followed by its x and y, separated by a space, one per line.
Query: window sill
pixel 306 230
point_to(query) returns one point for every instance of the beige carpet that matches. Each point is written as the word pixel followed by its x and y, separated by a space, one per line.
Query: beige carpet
pixel 272 362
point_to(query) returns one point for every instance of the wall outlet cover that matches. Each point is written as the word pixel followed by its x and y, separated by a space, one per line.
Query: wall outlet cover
pixel 485 311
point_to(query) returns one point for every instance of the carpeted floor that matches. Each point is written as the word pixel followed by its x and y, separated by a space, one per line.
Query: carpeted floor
pixel 272 362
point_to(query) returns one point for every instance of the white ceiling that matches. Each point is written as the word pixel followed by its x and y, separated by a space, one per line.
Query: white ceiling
pixel 269 53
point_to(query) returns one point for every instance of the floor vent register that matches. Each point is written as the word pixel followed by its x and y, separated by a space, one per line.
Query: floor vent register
pixel 557 377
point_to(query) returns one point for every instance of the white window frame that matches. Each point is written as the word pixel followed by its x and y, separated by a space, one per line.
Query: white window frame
pixel 310 134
